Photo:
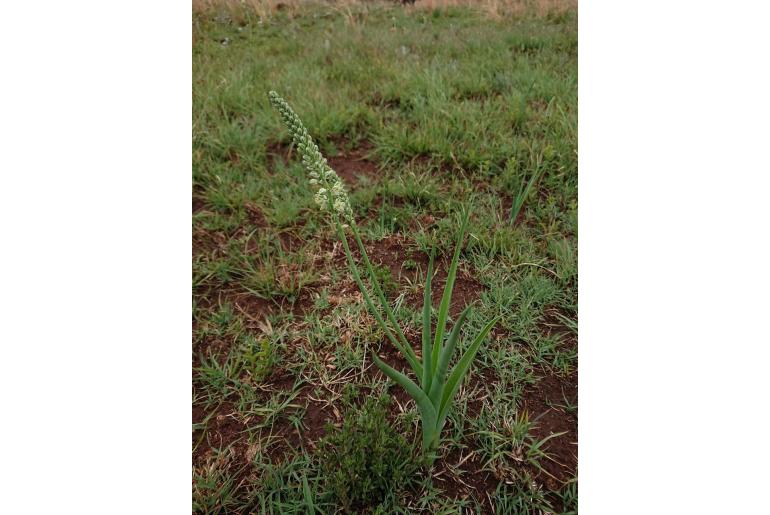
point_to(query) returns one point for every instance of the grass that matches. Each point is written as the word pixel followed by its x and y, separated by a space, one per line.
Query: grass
pixel 438 108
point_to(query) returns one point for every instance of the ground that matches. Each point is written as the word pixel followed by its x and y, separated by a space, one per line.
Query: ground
pixel 421 112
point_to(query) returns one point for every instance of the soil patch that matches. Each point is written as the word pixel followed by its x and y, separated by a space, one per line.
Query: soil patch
pixel 354 164
pixel 205 241
pixel 467 479
pixel 350 165
pixel 314 421
pixel 253 308
pixel 197 205
pixel 290 242
pixel 317 416
pixel 507 201
pixel 394 252
pixel 256 216
pixel 553 324
pixel 278 151
pixel 222 430
pixel 546 403
pixel 198 202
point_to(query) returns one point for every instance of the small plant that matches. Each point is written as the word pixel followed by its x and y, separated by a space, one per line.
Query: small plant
pixel 525 189
pixel 437 386
pixel 365 460
pixel 258 357
pixel 383 275
pixel 409 264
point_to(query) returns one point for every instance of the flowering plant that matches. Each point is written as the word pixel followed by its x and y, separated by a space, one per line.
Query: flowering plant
pixel 437 387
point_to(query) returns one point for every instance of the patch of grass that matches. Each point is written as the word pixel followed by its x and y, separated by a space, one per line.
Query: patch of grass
pixel 385 278
pixel 214 490
pixel 507 443
pixel 569 498
pixel 521 498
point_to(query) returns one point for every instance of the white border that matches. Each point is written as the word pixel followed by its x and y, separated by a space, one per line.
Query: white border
pixel 96 257
pixel 673 219
pixel 96 111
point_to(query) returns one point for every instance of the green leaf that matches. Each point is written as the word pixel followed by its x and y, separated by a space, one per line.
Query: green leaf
pixel 447 297
pixel 446 356
pixel 459 371
pixel 427 411
pixel 525 191
pixel 426 306
pixel 308 495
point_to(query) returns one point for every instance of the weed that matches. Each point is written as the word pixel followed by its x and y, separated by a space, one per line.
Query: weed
pixel 366 461
pixel 525 190
pixel 258 356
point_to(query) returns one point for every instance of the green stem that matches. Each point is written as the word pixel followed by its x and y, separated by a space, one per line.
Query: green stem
pixel 380 295
pixel 430 439
pixel 357 277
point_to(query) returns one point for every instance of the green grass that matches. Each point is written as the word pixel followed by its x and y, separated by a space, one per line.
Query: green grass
pixel 453 108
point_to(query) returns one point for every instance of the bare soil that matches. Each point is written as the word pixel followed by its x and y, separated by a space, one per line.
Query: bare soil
pixel 545 402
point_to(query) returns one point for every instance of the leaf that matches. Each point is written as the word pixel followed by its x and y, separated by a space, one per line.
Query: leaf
pixel 308 495
pixel 459 371
pixel 427 411
pixel 447 297
pixel 426 306
pixel 446 356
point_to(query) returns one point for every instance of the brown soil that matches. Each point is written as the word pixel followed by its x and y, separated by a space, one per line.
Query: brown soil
pixel 278 151
pixel 551 324
pixel 256 216
pixel 314 420
pixel 204 241
pixel 354 164
pixel 544 402
pixel 222 430
pixel 507 206
pixel 317 416
pixel 284 439
pixel 393 251
pixel 468 480
pixel 197 199
pixel 290 241
pixel 197 205
pixel 253 308
pixel 350 165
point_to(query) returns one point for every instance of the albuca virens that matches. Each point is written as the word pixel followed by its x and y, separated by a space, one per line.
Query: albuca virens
pixel 437 384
